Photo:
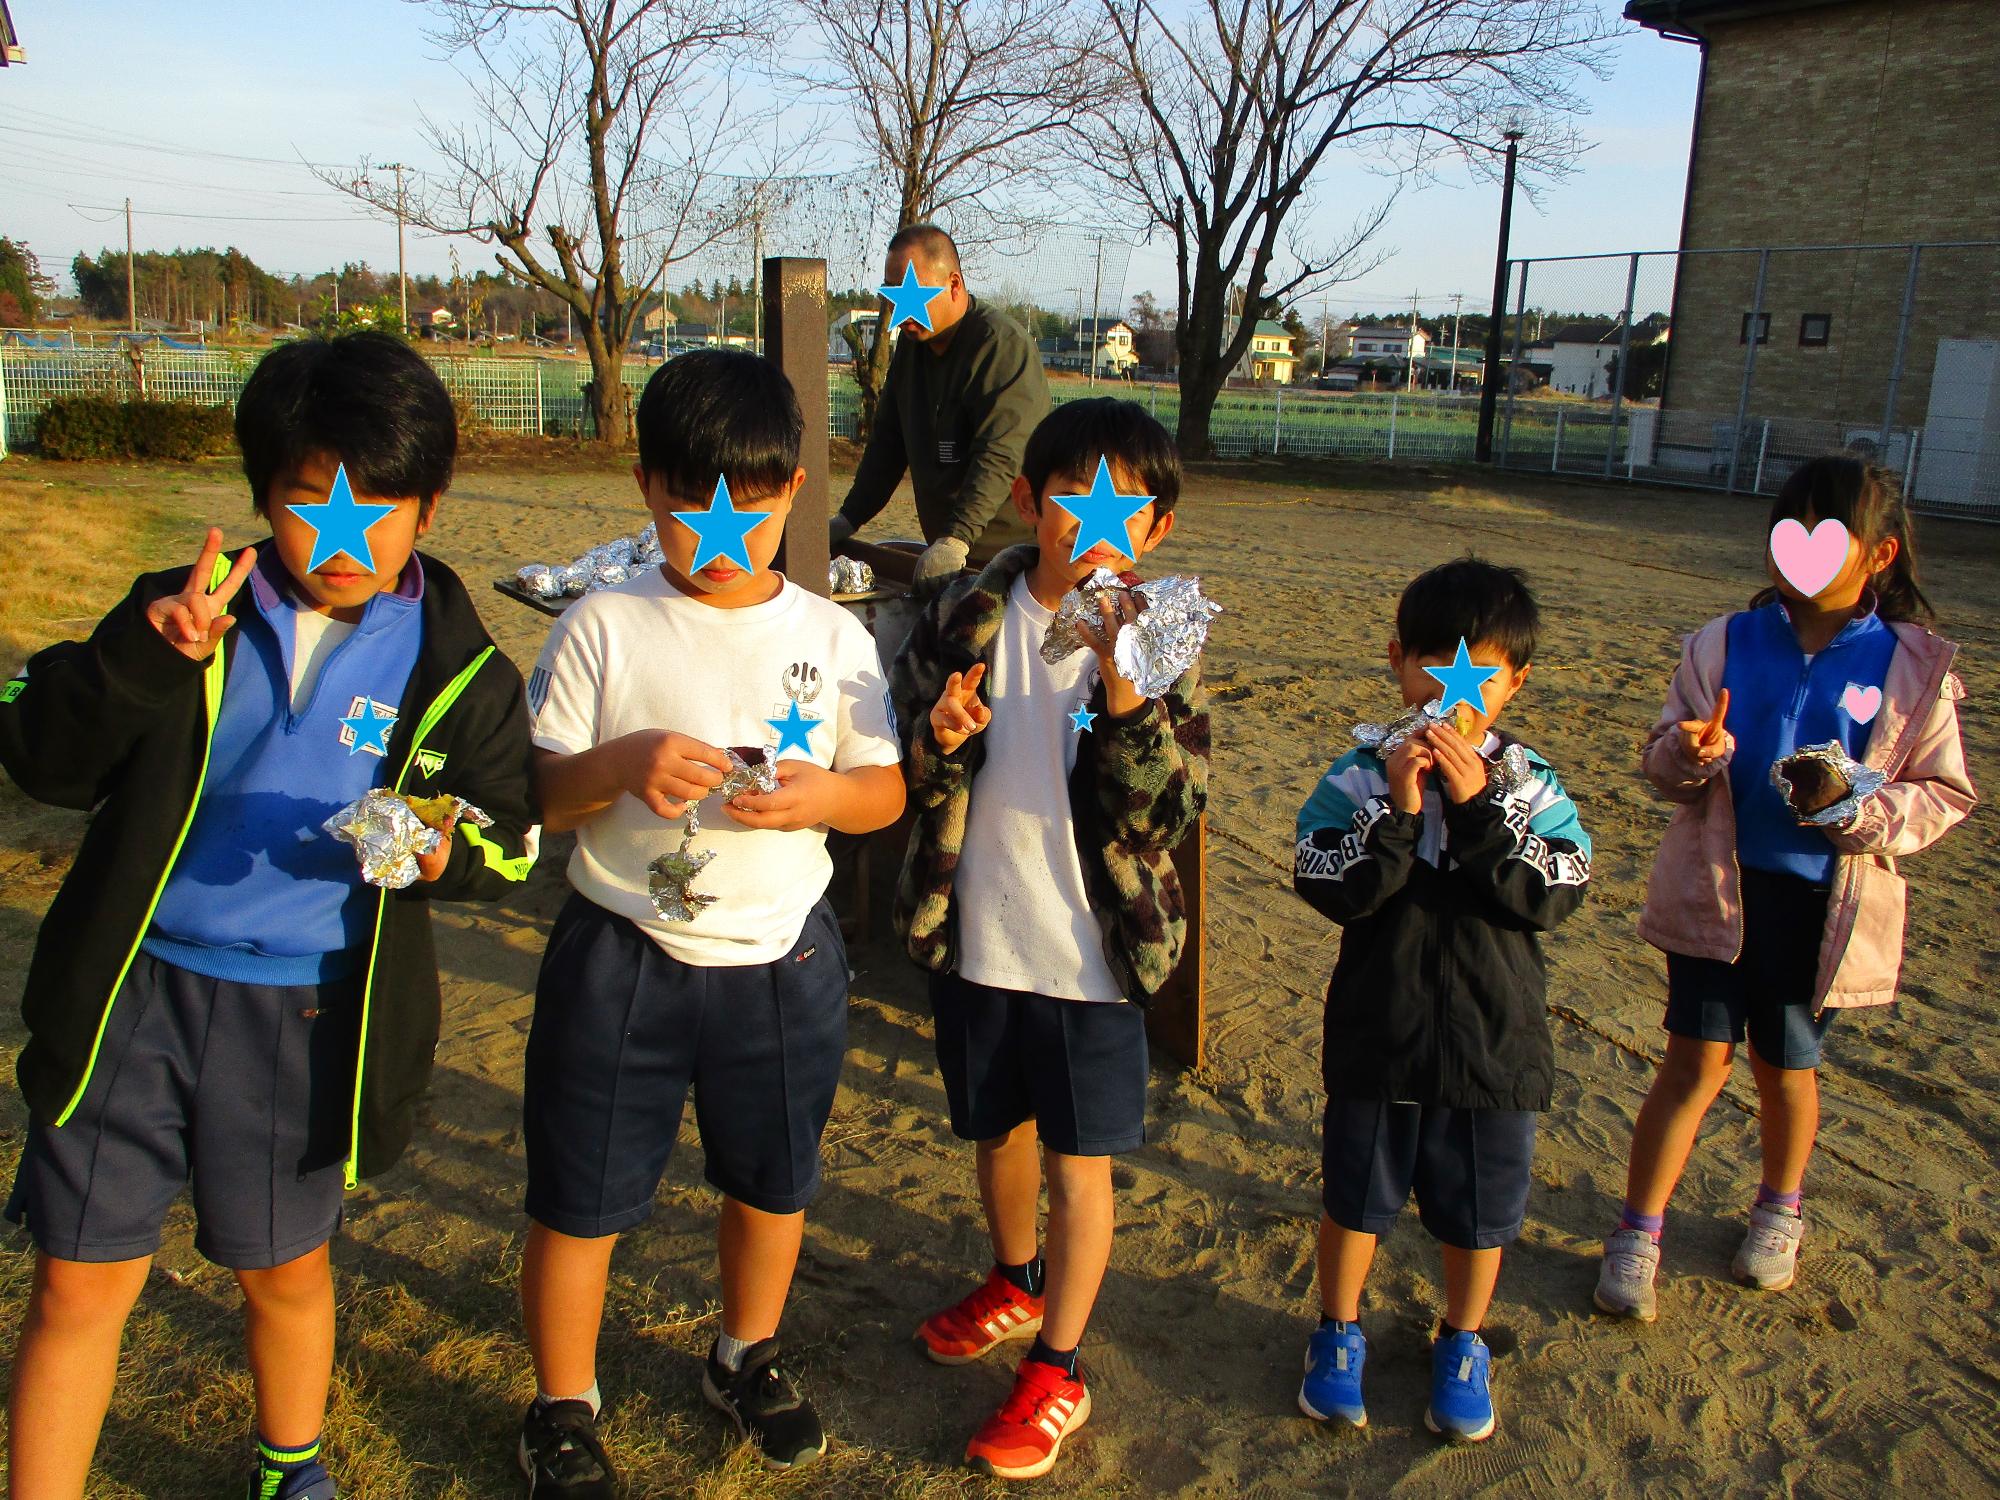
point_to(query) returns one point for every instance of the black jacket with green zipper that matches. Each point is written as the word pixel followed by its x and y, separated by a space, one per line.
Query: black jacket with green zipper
pixel 121 724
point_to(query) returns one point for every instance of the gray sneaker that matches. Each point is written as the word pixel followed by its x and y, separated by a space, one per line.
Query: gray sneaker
pixel 1769 1258
pixel 1625 1284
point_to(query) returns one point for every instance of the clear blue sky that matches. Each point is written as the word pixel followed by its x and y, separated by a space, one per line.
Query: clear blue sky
pixel 233 95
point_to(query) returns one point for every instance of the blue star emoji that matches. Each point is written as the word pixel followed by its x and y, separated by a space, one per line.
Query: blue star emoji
pixel 721 530
pixel 794 728
pixel 1102 513
pixel 1462 681
pixel 910 300
pixel 370 729
pixel 340 524
pixel 1081 720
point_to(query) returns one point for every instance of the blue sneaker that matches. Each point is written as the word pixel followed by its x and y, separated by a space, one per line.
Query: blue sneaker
pixel 1461 1405
pixel 1332 1387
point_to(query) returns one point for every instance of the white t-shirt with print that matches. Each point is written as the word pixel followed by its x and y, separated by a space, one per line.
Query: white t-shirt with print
pixel 645 656
pixel 1024 918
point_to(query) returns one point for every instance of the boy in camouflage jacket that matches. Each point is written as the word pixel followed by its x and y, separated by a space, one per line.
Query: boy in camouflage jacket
pixel 1039 892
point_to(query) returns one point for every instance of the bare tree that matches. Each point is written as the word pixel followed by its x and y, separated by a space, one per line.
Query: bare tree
pixel 958 102
pixel 1228 108
pixel 592 163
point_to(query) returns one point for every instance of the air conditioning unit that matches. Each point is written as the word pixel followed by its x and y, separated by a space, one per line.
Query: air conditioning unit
pixel 1866 442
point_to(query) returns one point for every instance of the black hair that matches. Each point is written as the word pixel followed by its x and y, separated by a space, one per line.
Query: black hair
pixel 1471 601
pixel 929 241
pixel 720 412
pixel 1868 501
pixel 366 400
pixel 1070 440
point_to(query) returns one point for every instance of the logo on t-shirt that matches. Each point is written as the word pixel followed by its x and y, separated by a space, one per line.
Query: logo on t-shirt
pixel 430 762
pixel 538 689
pixel 367 726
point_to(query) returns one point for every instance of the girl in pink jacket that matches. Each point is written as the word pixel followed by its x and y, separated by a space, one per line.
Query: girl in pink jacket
pixel 1771 924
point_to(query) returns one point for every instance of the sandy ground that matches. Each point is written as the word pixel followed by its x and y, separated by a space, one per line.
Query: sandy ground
pixel 1876 1373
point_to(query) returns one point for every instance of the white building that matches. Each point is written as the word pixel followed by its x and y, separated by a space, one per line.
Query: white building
pixel 1366 341
pixel 862 321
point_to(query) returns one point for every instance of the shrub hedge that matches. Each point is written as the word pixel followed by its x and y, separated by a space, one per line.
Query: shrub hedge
pixel 85 427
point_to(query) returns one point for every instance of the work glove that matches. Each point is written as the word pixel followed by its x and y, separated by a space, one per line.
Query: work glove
pixel 838 530
pixel 941 562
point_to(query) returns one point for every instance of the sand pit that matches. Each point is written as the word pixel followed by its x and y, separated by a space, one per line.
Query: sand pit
pixel 1875 1374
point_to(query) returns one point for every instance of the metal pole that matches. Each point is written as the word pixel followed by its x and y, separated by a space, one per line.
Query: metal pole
pixel 1096 303
pixel 1513 376
pixel 1489 392
pixel 541 421
pixel 1763 447
pixel 1410 375
pixel 1457 322
pixel 1277 416
pixel 1902 342
pixel 1556 453
pixel 1749 368
pixel 1395 403
pixel 1624 358
pixel 131 296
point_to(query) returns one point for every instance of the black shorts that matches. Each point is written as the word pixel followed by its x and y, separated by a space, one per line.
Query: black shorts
pixel 1469 1168
pixel 1767 994
pixel 244 1089
pixel 1076 1067
pixel 621 1031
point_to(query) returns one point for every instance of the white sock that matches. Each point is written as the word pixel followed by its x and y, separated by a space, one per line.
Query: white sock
pixel 592 1397
pixel 729 1351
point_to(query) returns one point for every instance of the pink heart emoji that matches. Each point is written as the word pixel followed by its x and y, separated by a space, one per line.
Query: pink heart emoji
pixel 1862 704
pixel 1809 560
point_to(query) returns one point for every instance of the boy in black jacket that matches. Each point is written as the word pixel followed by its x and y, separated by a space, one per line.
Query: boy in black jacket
pixel 215 994
pixel 1442 862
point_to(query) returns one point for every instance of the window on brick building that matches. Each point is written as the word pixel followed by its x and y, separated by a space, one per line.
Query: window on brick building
pixel 1763 329
pixel 1815 330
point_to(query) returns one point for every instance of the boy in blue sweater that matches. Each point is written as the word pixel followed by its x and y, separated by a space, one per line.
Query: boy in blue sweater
pixel 215 995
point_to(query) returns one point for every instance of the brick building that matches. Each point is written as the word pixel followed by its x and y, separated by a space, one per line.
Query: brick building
pixel 1826 122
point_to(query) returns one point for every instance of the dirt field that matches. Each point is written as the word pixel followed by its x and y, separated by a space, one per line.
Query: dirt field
pixel 1876 1373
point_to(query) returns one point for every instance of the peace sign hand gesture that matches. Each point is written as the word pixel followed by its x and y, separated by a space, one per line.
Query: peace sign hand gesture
pixel 195 620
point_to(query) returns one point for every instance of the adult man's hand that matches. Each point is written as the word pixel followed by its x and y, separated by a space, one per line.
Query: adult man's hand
pixel 942 561
pixel 838 530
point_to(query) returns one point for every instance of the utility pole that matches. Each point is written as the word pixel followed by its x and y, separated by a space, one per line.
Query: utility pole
pixel 1489 390
pixel 1096 303
pixel 402 279
pixel 756 274
pixel 1457 318
pixel 131 282
pixel 1325 341
pixel 1410 377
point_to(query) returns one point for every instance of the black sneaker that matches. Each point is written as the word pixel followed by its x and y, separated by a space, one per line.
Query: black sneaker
pixel 561 1455
pixel 765 1406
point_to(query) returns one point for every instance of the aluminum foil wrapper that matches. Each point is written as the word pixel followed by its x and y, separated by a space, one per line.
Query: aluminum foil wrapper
pixel 1154 650
pixel 751 772
pixel 1386 739
pixel 388 834
pixel 539 579
pixel 849 575
pixel 576 579
pixel 606 574
pixel 669 877
pixel 1862 781
pixel 1510 772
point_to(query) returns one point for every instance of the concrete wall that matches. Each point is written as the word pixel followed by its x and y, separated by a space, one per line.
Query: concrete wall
pixel 1876 121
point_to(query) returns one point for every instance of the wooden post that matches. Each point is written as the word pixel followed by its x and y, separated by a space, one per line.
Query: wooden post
pixel 1177 1017
pixel 795 340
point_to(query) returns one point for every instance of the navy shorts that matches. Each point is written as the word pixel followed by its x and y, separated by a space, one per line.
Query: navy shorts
pixel 1767 994
pixel 1077 1068
pixel 244 1089
pixel 622 1030
pixel 1468 1167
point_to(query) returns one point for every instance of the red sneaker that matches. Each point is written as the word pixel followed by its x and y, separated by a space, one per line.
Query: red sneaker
pixel 992 1315
pixel 1022 1439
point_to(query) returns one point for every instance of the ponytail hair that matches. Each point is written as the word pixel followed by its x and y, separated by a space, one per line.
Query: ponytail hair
pixel 1868 500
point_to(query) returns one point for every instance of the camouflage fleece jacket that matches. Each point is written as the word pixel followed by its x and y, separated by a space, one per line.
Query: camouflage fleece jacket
pixel 1138 787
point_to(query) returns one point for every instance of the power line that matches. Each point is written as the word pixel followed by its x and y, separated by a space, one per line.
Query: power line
pixel 162 213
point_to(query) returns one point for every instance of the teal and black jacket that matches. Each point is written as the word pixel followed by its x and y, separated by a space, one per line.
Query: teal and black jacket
pixel 120 725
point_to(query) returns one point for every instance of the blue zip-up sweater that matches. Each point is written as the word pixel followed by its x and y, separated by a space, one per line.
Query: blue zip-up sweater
pixel 262 893
pixel 1779 700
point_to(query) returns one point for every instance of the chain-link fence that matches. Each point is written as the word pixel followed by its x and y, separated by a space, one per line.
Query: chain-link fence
pixel 1730 368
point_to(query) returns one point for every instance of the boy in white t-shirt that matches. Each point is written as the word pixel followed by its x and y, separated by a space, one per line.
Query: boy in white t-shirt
pixel 1040 892
pixel 698 948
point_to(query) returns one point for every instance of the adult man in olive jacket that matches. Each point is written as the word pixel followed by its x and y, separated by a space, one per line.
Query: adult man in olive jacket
pixel 960 400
